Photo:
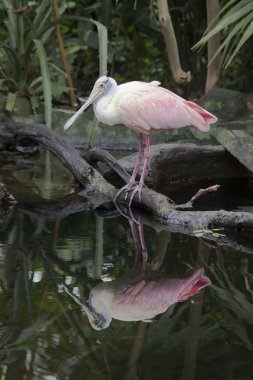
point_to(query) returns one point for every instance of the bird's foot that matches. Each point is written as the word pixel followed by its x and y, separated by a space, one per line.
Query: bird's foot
pixel 127 188
pixel 134 188
pixel 137 189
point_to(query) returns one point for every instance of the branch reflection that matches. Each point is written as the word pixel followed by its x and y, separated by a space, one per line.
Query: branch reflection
pixel 142 293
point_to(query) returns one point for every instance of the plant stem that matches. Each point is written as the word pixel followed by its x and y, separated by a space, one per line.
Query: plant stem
pixel 68 76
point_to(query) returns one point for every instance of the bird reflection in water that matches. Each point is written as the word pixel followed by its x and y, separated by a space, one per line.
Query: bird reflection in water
pixel 139 294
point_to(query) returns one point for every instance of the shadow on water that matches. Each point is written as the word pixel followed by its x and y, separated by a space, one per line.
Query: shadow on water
pixel 85 296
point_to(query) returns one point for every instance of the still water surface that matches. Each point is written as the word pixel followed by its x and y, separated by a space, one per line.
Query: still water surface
pixel 186 314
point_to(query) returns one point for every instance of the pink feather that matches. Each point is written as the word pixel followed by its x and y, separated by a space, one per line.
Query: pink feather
pixel 152 108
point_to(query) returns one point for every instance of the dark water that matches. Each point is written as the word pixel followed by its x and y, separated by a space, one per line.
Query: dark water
pixel 44 333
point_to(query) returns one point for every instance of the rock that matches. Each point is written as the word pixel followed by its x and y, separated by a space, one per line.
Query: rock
pixel 176 165
pixel 225 104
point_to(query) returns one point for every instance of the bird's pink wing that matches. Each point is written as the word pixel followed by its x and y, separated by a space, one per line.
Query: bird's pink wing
pixel 148 298
pixel 149 108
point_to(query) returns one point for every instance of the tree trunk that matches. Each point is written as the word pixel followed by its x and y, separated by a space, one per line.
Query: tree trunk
pixel 213 68
pixel 181 77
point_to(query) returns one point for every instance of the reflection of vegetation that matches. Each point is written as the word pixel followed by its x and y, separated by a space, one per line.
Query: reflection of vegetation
pixel 236 302
pixel 47 331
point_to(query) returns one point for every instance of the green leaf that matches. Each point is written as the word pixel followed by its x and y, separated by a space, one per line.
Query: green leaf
pixel 94 125
pixel 233 34
pixel 41 14
pixel 247 34
pixel 12 23
pixel 35 102
pixel 40 26
pixel 21 34
pixel 102 38
pixel 102 41
pixel 13 61
pixel 10 101
pixel 236 22
pixel 102 47
pixel 234 8
pixel 226 21
pixel 46 83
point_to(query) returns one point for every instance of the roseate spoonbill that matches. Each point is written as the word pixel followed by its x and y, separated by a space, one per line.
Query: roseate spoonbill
pixel 144 107
pixel 139 296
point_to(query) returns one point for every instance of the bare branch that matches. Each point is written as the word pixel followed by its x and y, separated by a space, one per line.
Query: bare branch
pixel 200 193
pixel 181 77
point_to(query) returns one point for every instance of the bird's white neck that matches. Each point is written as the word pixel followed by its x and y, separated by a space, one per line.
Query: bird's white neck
pixel 105 107
pixel 101 300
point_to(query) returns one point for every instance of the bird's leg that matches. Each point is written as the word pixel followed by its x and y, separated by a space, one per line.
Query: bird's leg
pixel 131 184
pixel 146 161
pixel 138 162
pixel 140 185
pixel 136 240
pixel 144 250
pixel 140 243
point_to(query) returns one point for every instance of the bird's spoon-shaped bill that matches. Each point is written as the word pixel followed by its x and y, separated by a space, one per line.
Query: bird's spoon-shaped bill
pixel 91 316
pixel 93 96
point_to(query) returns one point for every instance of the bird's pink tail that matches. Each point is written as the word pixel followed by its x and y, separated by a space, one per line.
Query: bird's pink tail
pixel 207 117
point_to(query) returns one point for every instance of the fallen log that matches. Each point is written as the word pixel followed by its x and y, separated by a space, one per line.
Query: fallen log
pixel 99 191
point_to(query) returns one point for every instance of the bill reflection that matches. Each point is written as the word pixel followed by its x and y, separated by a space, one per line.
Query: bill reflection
pixel 141 293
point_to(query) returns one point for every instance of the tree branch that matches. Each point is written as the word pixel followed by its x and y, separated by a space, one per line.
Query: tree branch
pixel 99 191
pixel 181 77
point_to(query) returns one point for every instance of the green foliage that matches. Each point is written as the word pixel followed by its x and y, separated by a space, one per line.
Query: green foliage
pixel 134 50
pixel 20 68
pixel 25 73
pixel 10 101
pixel 45 82
pixel 236 20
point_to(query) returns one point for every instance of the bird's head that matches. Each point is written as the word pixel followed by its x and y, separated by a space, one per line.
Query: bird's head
pixel 101 87
pixel 98 321
pixel 98 315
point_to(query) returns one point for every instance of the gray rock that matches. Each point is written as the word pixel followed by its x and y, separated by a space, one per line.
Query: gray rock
pixel 225 104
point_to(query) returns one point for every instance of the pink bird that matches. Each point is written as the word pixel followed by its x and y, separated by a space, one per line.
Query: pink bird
pixel 144 107
pixel 139 296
